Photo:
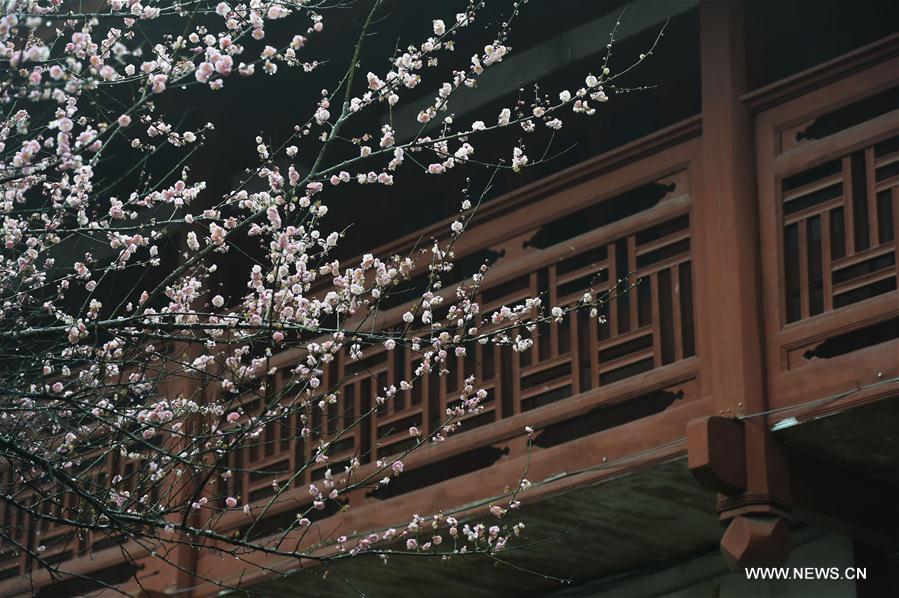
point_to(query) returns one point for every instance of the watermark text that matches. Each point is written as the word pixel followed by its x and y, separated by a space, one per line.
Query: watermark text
pixel 806 573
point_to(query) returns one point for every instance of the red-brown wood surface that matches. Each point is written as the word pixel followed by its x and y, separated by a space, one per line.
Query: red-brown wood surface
pixel 747 289
pixel 828 207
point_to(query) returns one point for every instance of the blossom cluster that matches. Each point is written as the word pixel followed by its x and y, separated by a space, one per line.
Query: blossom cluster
pixel 168 373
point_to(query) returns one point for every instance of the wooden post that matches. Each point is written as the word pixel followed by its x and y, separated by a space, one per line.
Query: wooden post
pixel 730 290
pixel 727 219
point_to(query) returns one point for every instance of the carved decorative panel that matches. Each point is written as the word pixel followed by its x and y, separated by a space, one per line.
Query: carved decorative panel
pixel 828 181
pixel 839 230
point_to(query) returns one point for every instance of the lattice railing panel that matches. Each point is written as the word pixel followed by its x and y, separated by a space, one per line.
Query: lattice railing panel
pixel 40 525
pixel 839 230
pixel 828 191
pixel 637 240
pixel 646 327
pixel 641 239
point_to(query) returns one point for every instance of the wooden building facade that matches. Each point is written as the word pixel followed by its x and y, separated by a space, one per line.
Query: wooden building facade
pixel 745 391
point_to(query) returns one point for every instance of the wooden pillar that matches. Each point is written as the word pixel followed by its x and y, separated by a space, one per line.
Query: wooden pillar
pixel 727 219
pixel 726 216
pixel 175 565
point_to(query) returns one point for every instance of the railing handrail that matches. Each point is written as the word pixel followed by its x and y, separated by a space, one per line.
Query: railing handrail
pixel 822 74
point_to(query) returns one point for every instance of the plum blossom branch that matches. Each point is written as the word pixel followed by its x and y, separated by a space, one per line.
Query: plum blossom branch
pixel 130 384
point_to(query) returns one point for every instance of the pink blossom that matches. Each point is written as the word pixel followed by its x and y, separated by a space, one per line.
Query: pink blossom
pixel 268 362
pixel 322 116
pixel 274 217
pixel 374 83
pixel 158 83
pixel 224 65
pixel 204 71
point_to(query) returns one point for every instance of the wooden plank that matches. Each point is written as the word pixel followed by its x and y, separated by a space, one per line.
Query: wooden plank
pixel 663 242
pixel 849 220
pixel 614 277
pixel 575 353
pixel 865 280
pixel 656 319
pixel 886 184
pixel 534 291
pixel 619 362
pixel 871 199
pixel 817 185
pixel 545 387
pixel 553 299
pixel 861 256
pixel 677 325
pixel 813 211
pixel 543 365
pixel 826 268
pixel 837 145
pixel 633 310
pixel 581 272
pixel 625 337
pixel 803 270
pixel 811 79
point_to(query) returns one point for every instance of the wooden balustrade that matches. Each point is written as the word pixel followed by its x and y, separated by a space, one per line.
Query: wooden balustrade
pixel 40 524
pixel 639 232
pixel 828 198
pixel 828 175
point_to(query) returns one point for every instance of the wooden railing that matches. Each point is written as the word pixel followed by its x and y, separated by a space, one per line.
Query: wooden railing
pixel 828 168
pixel 598 235
pixel 626 216
pixel 40 525
pixel 602 392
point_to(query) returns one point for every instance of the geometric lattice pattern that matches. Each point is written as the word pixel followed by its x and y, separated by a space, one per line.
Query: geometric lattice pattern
pixel 839 230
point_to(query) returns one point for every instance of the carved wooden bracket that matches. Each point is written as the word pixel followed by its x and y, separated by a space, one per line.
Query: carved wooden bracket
pixel 762 485
pixel 748 468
